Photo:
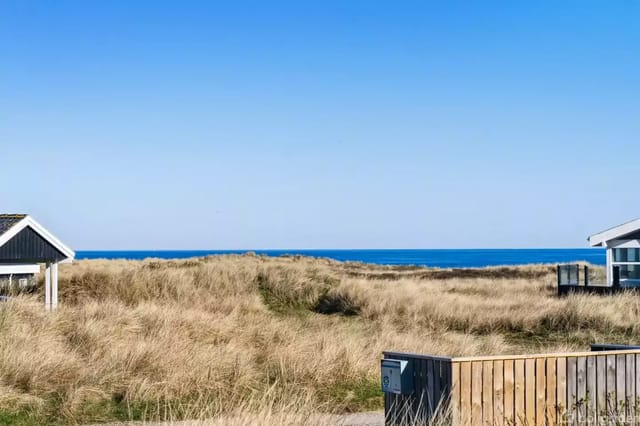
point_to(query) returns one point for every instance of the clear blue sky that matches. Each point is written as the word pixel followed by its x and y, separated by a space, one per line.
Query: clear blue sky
pixel 332 124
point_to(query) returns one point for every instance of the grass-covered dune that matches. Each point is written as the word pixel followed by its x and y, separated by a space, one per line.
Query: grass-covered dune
pixel 252 339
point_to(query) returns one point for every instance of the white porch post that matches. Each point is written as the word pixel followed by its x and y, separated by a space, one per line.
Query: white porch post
pixel 47 287
pixel 54 285
pixel 609 267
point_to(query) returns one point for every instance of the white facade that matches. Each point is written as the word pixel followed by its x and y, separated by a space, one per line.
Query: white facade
pixel 623 252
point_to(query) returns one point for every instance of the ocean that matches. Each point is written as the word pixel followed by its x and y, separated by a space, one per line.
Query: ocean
pixel 442 258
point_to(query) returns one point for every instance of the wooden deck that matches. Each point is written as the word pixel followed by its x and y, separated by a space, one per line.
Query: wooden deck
pixel 574 278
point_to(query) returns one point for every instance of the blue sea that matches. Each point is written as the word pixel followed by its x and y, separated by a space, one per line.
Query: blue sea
pixel 442 258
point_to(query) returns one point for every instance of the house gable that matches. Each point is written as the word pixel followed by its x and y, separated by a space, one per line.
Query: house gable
pixel 29 246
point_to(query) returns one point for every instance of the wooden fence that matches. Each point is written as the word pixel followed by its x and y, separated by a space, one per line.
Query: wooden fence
pixel 565 388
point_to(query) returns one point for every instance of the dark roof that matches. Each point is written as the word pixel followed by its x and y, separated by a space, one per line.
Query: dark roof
pixel 8 220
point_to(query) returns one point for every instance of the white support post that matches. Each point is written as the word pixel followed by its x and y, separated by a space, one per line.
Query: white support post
pixel 54 286
pixel 47 287
pixel 609 266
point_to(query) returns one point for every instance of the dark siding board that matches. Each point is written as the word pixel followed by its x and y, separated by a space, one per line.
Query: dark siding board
pixel 432 385
pixel 29 246
pixel 418 372
pixel 423 389
pixel 446 389
pixel 437 381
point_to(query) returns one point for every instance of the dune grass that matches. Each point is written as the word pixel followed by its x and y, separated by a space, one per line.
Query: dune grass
pixel 250 339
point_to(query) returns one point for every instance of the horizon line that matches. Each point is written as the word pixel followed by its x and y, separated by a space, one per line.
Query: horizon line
pixel 335 249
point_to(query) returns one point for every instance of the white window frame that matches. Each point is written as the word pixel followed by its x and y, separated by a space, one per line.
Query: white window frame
pixel 624 244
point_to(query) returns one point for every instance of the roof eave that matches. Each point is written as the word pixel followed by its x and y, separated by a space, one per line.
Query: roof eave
pixel 601 238
pixel 595 243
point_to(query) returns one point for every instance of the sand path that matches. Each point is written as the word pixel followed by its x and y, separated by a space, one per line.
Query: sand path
pixel 373 418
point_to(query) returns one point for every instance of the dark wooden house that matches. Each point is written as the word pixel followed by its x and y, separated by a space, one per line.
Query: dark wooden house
pixel 24 246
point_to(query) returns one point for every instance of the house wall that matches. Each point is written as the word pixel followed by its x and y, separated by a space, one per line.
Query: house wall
pixel 28 246
pixel 632 264
pixel 17 283
pixel 10 276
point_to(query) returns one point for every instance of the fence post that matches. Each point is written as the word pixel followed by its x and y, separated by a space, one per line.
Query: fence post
pixel 616 277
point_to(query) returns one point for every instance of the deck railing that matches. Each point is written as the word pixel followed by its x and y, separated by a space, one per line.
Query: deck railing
pixel 580 278
pixel 570 275
pixel 546 389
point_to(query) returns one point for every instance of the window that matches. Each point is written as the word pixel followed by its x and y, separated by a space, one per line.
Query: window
pixel 626 255
pixel 630 272
pixel 628 260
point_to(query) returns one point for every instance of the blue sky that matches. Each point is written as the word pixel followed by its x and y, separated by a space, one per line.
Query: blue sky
pixel 333 124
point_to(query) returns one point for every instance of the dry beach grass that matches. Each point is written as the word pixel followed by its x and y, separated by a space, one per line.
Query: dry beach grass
pixel 251 339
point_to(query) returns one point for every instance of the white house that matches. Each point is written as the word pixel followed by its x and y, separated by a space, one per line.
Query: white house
pixel 623 252
pixel 24 245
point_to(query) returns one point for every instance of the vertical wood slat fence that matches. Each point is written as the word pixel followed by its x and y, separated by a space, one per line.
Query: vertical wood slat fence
pixel 565 388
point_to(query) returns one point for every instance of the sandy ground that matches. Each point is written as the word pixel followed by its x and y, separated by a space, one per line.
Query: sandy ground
pixel 373 418
pixel 359 419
